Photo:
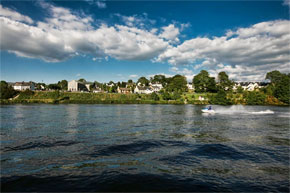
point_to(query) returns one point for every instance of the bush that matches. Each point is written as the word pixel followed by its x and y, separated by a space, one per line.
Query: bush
pixel 6 91
pixel 220 98
pixel 255 98
pixel 154 96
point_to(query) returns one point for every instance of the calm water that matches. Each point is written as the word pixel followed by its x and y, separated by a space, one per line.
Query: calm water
pixel 144 148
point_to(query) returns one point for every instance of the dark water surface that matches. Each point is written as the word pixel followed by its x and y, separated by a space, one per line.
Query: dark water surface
pixel 144 148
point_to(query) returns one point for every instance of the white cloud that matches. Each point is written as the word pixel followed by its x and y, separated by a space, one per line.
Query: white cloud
pixel 170 32
pixel 263 46
pixel 184 71
pixel 142 21
pixel 101 4
pixel 66 34
pixel 133 76
pixel 6 12
pixel 286 2
pixel 78 75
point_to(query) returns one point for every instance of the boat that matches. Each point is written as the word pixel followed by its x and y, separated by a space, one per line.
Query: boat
pixel 207 110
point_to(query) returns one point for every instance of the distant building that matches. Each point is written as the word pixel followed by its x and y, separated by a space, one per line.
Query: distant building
pixel 250 86
pixel 143 90
pixel 97 90
pixel 124 90
pixel 189 86
pixel 23 86
pixel 201 98
pixel 75 86
pixel 156 87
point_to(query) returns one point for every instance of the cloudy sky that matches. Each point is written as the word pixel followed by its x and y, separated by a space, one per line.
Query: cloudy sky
pixel 120 40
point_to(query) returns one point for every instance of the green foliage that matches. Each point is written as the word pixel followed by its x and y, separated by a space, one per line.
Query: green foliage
pixel 204 83
pixel 54 87
pixel 62 84
pixel 27 94
pixel 220 98
pixel 82 80
pixel 240 90
pixel 274 76
pixel 154 96
pixel 6 91
pixel 177 83
pixel 255 98
pixel 144 81
pixel 282 90
pixel 224 82
pixel 176 95
pixel 159 78
pixel 280 86
pixel 165 95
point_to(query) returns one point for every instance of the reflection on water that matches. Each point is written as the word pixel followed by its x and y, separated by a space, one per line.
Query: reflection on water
pixel 144 148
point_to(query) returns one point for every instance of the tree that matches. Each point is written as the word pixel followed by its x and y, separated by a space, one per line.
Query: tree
pixel 130 81
pixel 176 95
pixel 62 84
pixel 177 83
pixel 166 96
pixel 154 96
pixel 282 89
pixel 54 87
pixel 274 76
pixel 280 85
pixel 204 83
pixel 221 98
pixel 144 81
pixel 82 80
pixel 240 90
pixel 224 82
pixel 255 98
pixel 159 78
pixel 6 91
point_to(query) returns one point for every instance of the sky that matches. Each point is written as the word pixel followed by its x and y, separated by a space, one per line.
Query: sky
pixel 48 41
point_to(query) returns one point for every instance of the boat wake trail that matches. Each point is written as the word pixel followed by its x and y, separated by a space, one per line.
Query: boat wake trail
pixel 263 112
pixel 239 109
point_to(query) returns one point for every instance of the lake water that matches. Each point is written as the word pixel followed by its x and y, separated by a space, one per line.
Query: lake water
pixel 144 148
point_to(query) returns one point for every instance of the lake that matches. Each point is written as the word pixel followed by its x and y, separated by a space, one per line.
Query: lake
pixel 69 148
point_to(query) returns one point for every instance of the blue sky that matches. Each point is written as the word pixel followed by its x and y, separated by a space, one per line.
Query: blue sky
pixel 119 40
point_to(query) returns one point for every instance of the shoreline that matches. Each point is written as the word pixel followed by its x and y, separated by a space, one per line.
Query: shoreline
pixel 56 97
pixel 88 102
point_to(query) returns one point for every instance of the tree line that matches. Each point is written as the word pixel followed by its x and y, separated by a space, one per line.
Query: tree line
pixel 174 87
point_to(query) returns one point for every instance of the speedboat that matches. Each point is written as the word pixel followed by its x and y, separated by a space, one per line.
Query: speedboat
pixel 207 110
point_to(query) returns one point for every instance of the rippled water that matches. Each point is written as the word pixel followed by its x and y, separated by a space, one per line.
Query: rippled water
pixel 144 148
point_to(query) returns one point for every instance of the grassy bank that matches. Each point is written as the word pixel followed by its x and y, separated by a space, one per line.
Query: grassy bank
pixel 116 98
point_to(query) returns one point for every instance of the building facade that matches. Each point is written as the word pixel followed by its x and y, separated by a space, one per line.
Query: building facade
pixel 23 86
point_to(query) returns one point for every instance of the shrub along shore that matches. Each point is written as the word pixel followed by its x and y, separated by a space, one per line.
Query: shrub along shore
pixel 220 98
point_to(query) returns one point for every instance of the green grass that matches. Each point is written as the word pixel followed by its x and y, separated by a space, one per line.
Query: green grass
pixel 56 97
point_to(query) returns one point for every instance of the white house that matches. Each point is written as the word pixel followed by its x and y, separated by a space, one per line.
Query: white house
pixel 23 86
pixel 156 87
pixel 250 86
pixel 189 86
pixel 143 90
pixel 75 86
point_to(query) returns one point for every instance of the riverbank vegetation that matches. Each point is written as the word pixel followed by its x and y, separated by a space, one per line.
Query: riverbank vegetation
pixel 175 91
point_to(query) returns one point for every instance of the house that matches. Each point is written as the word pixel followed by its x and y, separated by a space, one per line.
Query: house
pixel 23 86
pixel 250 86
pixel 124 90
pixel 156 87
pixel 97 90
pixel 189 86
pixel 201 98
pixel 143 90
pixel 110 84
pixel 75 86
